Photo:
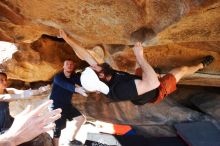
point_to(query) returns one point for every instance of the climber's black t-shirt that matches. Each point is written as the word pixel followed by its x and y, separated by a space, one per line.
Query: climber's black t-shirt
pixel 122 87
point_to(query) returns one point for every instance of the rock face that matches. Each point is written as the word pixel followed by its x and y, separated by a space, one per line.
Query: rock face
pixel 91 21
pixel 174 33
pixel 208 103
pixel 39 60
pixel 163 113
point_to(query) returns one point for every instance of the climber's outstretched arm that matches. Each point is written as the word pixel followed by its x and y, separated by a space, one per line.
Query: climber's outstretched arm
pixel 80 51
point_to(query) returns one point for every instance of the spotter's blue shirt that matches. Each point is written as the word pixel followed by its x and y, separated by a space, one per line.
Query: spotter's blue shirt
pixel 63 89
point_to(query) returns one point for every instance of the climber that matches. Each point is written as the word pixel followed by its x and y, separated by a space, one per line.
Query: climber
pixel 121 86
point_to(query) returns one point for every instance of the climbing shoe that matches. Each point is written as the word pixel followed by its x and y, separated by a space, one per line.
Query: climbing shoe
pixel 157 70
pixel 207 60
pixel 75 143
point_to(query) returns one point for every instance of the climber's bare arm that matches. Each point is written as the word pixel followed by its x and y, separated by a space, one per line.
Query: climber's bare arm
pixel 80 51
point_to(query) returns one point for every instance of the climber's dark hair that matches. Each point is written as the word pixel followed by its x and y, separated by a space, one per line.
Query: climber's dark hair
pixel 4 74
pixel 107 69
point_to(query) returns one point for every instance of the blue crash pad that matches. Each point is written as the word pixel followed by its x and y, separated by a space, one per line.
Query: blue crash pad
pixel 199 133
